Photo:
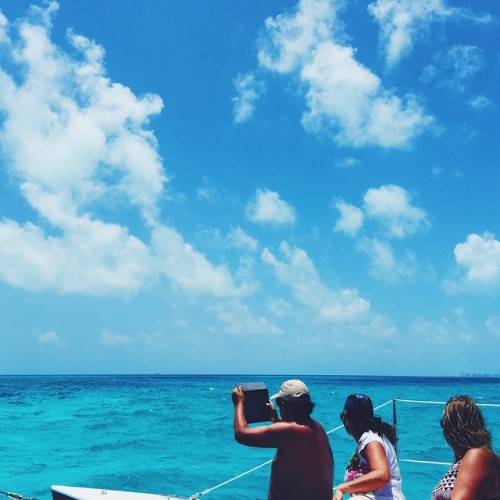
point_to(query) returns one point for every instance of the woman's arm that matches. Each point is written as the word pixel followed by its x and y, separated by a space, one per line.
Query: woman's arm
pixel 477 473
pixel 378 476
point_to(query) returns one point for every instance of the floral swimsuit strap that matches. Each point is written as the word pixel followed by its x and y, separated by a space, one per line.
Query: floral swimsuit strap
pixel 356 468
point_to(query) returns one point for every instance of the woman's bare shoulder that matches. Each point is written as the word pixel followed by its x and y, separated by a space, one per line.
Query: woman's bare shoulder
pixel 480 457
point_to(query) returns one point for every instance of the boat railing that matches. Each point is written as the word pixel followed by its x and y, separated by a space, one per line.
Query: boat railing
pixel 15 496
pixel 341 426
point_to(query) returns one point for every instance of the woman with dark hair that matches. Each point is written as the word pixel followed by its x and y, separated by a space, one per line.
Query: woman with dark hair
pixel 373 471
pixel 476 471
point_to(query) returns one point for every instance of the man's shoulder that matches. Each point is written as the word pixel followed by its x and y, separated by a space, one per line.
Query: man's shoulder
pixel 312 427
pixel 317 424
pixel 292 427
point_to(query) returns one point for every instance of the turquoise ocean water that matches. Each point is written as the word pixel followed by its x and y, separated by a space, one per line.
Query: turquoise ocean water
pixel 173 434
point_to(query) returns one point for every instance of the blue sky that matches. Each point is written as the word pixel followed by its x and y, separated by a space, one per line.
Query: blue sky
pixel 250 187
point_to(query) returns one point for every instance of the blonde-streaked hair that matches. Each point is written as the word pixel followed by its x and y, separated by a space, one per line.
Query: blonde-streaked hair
pixel 464 426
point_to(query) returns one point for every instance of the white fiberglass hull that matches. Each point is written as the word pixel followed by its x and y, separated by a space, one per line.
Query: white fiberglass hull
pixel 76 493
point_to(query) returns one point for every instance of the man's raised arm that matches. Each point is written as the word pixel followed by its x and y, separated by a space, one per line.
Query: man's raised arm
pixel 263 436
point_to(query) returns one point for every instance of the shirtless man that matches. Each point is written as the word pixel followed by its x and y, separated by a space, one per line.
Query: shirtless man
pixel 303 465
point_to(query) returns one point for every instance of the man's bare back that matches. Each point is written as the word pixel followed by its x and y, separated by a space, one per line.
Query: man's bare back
pixel 303 466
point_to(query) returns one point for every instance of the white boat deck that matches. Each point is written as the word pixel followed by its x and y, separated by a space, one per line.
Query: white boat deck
pixel 76 493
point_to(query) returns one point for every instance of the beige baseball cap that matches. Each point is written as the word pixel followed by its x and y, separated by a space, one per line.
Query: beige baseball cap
pixel 294 391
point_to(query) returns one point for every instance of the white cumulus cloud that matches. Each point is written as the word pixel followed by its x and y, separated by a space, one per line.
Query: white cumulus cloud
pixel 47 338
pixel 240 239
pixel 268 208
pixel 248 89
pixel 455 67
pixel 479 102
pixel 297 271
pixel 391 206
pixel 402 22
pixel 187 268
pixel 350 220
pixel 98 259
pixel 291 39
pixel 345 100
pixel 479 256
pixel 387 213
pixel 383 262
pixel 445 331
pixel 114 339
pixel 77 142
pixel 238 319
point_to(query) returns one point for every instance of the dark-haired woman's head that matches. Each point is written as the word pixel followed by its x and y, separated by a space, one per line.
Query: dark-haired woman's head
pixel 358 416
pixel 358 408
pixel 463 426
